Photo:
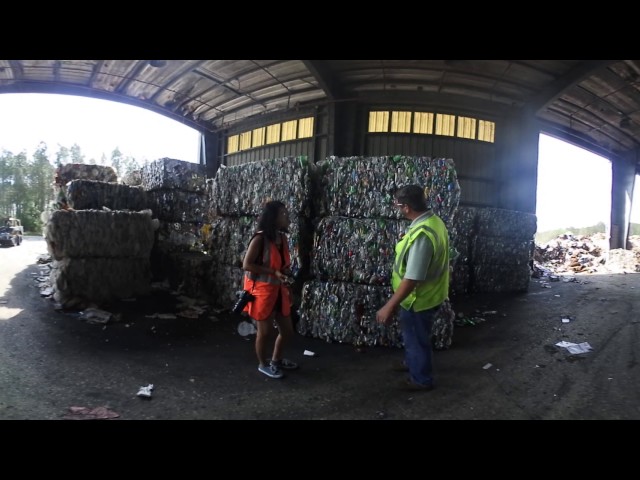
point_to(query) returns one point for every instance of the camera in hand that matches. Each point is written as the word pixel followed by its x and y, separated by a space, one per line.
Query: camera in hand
pixel 245 297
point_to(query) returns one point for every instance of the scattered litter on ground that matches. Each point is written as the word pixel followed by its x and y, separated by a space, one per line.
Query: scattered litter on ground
pixel 190 313
pixel 309 353
pixel 86 413
pixel 246 328
pixel 95 316
pixel 145 392
pixel 162 316
pixel 579 254
pixel 575 348
pixel 487 366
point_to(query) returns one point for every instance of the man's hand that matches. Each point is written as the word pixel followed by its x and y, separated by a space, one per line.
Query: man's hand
pixel 384 314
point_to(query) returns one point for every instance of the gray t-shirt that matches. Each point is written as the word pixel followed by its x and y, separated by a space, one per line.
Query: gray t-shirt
pixel 420 253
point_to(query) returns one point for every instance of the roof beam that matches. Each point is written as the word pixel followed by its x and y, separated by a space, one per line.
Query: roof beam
pixel 563 83
pixel 325 77
pixel 576 138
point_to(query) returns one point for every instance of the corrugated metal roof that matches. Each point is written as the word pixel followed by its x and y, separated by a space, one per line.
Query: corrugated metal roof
pixel 596 102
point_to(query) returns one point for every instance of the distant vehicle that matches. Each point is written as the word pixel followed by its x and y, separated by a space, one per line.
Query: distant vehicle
pixel 11 232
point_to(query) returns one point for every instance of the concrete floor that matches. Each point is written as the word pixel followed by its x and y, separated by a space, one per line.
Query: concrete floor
pixel 202 369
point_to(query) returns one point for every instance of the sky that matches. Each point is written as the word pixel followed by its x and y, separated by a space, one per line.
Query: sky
pixel 574 185
pixel 97 126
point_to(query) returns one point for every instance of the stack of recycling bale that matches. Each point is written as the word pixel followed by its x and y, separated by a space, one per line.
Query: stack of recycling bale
pixel 354 242
pixel 99 195
pixel 238 194
pixel 99 256
pixel 81 171
pixel 496 247
pixel 176 193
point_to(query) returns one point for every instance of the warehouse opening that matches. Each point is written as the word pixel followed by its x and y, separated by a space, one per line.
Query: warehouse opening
pixel 573 191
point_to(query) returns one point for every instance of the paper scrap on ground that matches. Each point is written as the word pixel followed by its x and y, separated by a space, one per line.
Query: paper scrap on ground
pixel 246 328
pixel 309 353
pixel 574 348
pixel 145 391
pixel 566 320
pixel 487 366
pixel 86 413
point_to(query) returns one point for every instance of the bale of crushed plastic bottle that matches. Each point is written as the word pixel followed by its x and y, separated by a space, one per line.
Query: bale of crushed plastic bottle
pixel 364 187
pixel 170 174
pixel 500 278
pixel 359 250
pixel 81 171
pixel 96 233
pixel 177 205
pixel 501 250
pixel 99 280
pixel 498 222
pixel 346 313
pixel 242 190
pixel 96 195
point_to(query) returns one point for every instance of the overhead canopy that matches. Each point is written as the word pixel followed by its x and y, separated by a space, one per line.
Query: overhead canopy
pixel 595 103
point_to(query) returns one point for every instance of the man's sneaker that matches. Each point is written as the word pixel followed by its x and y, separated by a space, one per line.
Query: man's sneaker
pixel 270 371
pixel 415 387
pixel 285 364
pixel 399 366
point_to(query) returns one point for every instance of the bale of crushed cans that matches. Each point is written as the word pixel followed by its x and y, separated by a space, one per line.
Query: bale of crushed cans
pixel 178 205
pixel 99 280
pixel 81 171
pixel 498 222
pixel 242 190
pixel 133 178
pixel 345 312
pixel 359 250
pixel 229 239
pixel 97 233
pixel 172 174
pixel 353 250
pixel 188 273
pixel 226 282
pixel 237 196
pixel 498 278
pixel 96 195
pixel 496 248
pixel 180 237
pixel 364 187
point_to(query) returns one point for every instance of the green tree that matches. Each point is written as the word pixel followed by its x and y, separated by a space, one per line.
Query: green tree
pixel 63 156
pixel 41 177
pixel 117 160
pixel 76 154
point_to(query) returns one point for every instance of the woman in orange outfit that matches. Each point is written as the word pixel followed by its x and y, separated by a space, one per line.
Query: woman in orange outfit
pixel 267 266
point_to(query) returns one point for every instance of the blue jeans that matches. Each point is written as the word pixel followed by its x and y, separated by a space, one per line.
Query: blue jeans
pixel 416 336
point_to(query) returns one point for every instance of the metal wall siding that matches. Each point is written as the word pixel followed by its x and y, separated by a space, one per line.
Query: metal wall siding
pixel 287 149
pixel 475 161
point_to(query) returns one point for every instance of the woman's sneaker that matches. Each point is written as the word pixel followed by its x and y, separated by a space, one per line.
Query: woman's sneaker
pixel 270 371
pixel 285 364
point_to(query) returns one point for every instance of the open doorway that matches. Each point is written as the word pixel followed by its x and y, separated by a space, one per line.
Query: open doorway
pixel 574 190
pixel 635 209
